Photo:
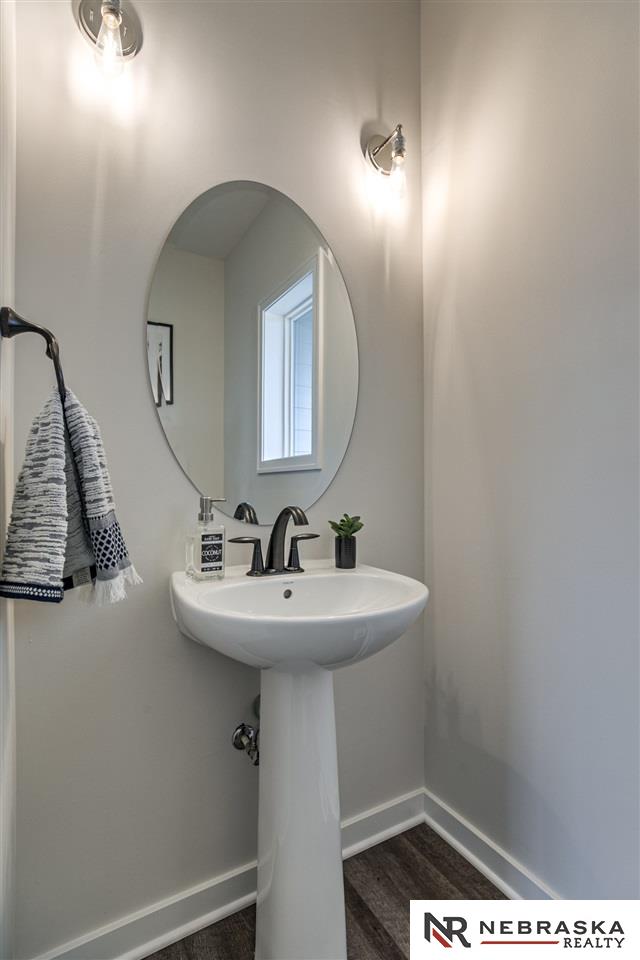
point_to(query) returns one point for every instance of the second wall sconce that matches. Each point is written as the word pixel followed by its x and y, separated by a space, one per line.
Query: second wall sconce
pixel 114 28
pixel 388 154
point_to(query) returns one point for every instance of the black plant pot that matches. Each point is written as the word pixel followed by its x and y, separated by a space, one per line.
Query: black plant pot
pixel 345 553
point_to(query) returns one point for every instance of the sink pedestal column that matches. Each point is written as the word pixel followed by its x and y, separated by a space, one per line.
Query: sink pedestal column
pixel 301 912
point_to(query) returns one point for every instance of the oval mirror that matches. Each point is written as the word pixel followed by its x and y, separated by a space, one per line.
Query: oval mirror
pixel 251 350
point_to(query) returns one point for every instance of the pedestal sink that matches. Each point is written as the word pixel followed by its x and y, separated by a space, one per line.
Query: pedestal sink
pixel 297 629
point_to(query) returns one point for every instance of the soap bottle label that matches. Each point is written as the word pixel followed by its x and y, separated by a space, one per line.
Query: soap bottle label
pixel 211 548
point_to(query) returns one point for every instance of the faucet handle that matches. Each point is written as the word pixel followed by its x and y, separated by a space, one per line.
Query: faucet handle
pixel 293 565
pixel 257 565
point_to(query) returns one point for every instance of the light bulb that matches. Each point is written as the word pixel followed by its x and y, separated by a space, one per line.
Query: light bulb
pixel 398 177
pixel 109 42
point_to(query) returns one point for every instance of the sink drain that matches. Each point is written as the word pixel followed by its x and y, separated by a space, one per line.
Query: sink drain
pixel 287 594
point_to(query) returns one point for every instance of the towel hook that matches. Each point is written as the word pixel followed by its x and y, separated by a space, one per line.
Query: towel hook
pixel 11 325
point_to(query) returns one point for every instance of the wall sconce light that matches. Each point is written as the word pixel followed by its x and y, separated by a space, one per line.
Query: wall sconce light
pixel 388 154
pixel 113 27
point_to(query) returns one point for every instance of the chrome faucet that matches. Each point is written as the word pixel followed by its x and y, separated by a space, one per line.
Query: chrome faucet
pixel 275 550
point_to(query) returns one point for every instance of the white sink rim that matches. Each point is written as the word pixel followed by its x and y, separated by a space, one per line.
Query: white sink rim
pixel 262 640
pixel 236 577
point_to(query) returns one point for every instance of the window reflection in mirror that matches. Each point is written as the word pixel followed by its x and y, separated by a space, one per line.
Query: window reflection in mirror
pixel 288 411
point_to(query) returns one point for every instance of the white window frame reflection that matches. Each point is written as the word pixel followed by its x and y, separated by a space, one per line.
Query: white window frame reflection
pixel 281 400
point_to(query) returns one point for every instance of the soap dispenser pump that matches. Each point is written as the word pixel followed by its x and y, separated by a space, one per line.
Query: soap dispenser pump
pixel 205 548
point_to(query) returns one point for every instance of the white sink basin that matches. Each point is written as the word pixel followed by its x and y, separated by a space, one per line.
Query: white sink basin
pixel 325 616
pixel 298 628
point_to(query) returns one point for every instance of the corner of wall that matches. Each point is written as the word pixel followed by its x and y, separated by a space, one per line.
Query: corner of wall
pixel 7 667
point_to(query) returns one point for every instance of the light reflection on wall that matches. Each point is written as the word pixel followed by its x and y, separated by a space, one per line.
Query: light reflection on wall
pixel 383 199
pixel 435 198
pixel 387 209
pixel 112 104
pixel 119 99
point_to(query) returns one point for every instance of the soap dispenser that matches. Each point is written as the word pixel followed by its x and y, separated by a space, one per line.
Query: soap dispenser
pixel 205 547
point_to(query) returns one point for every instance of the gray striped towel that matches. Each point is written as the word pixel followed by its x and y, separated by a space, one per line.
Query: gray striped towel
pixel 63 531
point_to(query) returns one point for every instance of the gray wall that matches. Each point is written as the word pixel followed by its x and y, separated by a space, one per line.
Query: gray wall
pixel 188 292
pixel 128 789
pixel 530 178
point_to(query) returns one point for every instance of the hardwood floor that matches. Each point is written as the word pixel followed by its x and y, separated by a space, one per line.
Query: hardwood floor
pixel 378 884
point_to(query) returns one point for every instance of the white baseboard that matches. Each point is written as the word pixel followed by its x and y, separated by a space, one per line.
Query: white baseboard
pixel 509 876
pixel 380 823
pixel 142 933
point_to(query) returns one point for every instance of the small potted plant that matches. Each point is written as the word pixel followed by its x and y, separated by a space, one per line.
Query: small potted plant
pixel 345 531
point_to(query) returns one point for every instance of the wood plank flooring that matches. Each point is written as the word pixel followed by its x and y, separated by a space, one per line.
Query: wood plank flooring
pixel 417 865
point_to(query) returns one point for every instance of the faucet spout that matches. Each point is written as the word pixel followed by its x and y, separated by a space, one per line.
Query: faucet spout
pixel 275 551
pixel 246 513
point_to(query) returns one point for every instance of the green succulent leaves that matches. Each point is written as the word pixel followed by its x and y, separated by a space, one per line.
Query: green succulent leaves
pixel 347 526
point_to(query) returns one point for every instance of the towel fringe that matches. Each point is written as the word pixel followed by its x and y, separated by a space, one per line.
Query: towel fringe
pixel 114 590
